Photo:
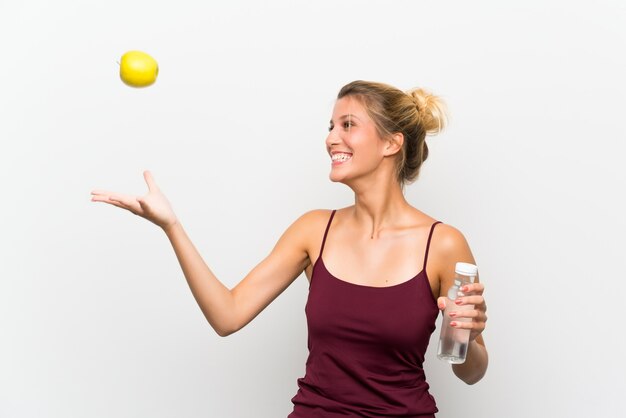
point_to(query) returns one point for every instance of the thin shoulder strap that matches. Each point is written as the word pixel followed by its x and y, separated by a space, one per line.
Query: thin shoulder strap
pixel 332 215
pixel 432 229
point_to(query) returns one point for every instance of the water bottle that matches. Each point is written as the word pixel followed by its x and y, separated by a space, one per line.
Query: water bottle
pixel 453 342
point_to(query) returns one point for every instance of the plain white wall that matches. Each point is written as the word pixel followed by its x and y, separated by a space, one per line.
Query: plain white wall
pixel 96 319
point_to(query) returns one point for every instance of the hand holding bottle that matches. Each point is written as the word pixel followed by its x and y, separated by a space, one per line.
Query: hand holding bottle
pixel 154 206
pixel 463 314
pixel 477 314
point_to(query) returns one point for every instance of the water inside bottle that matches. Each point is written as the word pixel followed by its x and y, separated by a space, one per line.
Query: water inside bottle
pixel 453 352
pixel 453 342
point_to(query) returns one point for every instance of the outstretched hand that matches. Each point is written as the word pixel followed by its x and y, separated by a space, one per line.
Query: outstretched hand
pixel 154 206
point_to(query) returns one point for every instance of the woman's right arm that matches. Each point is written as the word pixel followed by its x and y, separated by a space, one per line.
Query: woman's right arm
pixel 226 310
pixel 230 310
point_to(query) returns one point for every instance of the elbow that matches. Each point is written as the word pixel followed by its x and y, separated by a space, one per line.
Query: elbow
pixel 224 319
pixel 225 332
pixel 474 379
pixel 470 375
pixel 223 326
pixel 226 329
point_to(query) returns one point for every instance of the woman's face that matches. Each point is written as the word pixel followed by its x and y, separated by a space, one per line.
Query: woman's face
pixel 353 143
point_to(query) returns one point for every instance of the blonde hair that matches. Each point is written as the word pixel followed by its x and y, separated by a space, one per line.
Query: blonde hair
pixel 414 114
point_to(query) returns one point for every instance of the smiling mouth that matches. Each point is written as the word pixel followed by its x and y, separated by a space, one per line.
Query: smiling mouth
pixel 341 157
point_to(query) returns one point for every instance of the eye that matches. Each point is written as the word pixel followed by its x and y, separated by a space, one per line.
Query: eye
pixel 347 124
pixel 330 128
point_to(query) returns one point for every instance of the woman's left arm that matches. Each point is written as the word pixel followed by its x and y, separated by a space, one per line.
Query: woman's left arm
pixel 454 248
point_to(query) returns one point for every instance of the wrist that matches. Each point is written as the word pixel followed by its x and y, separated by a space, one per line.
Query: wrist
pixel 170 227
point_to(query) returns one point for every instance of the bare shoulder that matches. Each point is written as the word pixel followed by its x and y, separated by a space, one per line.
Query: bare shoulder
pixel 315 215
pixel 310 227
pixel 449 240
pixel 310 221
pixel 448 246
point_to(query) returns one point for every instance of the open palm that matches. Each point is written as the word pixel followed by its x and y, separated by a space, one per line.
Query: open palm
pixel 154 206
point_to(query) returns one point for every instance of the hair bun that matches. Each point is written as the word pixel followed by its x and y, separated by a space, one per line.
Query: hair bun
pixel 432 110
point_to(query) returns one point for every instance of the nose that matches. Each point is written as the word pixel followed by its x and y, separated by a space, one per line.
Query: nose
pixel 333 138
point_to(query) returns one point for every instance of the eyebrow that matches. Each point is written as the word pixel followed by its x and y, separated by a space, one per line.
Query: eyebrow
pixel 347 116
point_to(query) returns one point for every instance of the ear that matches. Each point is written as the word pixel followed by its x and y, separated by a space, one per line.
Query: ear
pixel 394 144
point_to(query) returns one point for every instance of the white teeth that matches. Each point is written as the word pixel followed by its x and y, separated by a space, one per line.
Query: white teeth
pixel 341 157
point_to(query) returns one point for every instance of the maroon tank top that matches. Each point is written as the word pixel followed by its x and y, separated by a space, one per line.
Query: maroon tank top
pixel 366 347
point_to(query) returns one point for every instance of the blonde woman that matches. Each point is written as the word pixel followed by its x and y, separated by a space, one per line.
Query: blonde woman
pixel 378 269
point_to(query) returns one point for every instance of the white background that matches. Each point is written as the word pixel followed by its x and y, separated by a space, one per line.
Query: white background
pixel 96 319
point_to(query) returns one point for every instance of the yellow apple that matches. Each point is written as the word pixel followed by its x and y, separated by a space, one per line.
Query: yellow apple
pixel 138 69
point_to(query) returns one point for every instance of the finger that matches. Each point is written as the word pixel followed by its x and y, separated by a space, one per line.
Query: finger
pixel 475 315
pixel 476 288
pixel 107 193
pixel 99 192
pixel 102 198
pixel 128 202
pixel 147 175
pixel 105 199
pixel 464 314
pixel 123 199
pixel 98 198
pixel 471 325
pixel 119 205
pixel 470 300
pixel 441 303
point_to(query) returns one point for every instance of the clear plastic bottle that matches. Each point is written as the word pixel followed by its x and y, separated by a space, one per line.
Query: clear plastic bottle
pixel 453 342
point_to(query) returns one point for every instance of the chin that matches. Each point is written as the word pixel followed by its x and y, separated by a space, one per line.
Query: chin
pixel 339 179
pixel 335 178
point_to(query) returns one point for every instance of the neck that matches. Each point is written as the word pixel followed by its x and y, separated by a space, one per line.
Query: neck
pixel 379 206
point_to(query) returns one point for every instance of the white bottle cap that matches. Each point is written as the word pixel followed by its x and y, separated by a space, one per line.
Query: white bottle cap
pixel 466 269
